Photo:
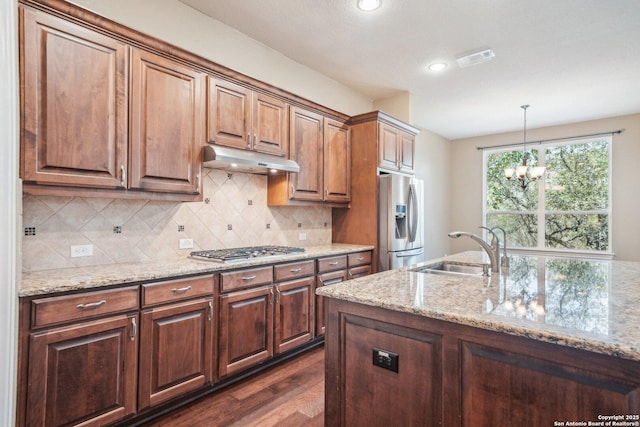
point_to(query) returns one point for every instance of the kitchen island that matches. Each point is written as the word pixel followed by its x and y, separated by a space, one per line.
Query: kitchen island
pixel 553 341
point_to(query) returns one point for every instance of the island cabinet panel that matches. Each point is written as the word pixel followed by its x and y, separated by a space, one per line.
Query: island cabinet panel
pixel 460 375
pixel 176 350
pixel 167 124
pixel 373 395
pixel 74 109
pixel 83 374
pixel 246 329
pixel 498 384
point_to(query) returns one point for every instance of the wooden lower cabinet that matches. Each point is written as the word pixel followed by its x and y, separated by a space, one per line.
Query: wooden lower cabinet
pixel 326 279
pixel 294 313
pixel 246 329
pixel 176 350
pixel 455 375
pixel 83 374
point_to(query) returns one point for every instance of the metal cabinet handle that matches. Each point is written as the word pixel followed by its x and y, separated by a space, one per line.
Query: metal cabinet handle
pixel 272 297
pixel 199 178
pixel 278 296
pixel 333 263
pixel 296 270
pixel 123 176
pixel 360 259
pixel 210 310
pixel 248 140
pixel 181 290
pixel 91 304
pixel 134 329
pixel 350 274
pixel 249 277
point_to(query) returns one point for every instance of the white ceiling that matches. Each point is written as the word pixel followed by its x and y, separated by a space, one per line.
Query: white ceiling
pixel 571 60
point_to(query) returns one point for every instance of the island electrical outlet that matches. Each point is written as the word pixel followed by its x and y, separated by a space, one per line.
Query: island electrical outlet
pixel 385 359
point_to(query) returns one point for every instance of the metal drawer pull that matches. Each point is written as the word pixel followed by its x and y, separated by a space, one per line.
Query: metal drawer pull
pixel 333 263
pixel 249 277
pixel 91 304
pixel 360 259
pixel 181 290
pixel 272 297
pixel 210 310
pixel 296 270
pixel 350 274
pixel 134 329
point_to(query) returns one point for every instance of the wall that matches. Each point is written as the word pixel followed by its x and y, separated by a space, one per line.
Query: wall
pixel 182 26
pixel 466 178
pixel 9 213
pixel 151 230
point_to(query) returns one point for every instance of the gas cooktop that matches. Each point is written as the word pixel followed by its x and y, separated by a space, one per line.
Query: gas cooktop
pixel 242 254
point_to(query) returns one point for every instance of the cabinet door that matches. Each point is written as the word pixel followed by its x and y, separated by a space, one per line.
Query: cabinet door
pixel 337 161
pixel 246 329
pixel 269 125
pixel 74 110
pixel 229 121
pixel 389 141
pixel 294 313
pixel 176 351
pixel 326 279
pixel 167 125
pixel 407 148
pixel 83 373
pixel 308 151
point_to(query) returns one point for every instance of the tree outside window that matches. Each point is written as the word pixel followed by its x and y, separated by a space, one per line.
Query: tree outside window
pixel 568 210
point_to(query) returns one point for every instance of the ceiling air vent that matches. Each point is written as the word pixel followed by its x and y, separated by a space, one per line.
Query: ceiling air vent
pixel 475 58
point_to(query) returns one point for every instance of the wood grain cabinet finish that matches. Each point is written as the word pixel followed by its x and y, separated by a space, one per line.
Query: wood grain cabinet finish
pixel 84 373
pixel 167 125
pixel 395 149
pixel 242 118
pixel 294 305
pixel 456 375
pixel 73 105
pixel 246 329
pixel 322 148
pixel 176 350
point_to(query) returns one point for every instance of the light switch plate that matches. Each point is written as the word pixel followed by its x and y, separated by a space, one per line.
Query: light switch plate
pixel 302 236
pixel 81 250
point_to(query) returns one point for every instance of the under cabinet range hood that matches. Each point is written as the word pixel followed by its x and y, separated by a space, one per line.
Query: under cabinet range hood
pixel 233 159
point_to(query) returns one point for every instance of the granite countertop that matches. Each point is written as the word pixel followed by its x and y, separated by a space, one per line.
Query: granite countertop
pixel 72 279
pixel 585 304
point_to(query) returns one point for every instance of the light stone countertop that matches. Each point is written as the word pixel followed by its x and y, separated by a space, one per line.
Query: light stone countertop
pixel 45 282
pixel 585 304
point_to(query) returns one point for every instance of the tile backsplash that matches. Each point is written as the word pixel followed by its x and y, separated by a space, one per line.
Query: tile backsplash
pixel 234 213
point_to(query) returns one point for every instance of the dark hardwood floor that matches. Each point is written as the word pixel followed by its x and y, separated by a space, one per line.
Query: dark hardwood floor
pixel 288 395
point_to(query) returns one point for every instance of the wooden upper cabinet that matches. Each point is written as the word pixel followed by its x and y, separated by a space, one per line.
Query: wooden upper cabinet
pixel 167 124
pixel 73 108
pixel 307 149
pixel 241 118
pixel 337 161
pixel 395 149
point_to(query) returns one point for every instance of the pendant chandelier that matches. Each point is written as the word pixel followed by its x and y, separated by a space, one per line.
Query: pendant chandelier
pixel 523 172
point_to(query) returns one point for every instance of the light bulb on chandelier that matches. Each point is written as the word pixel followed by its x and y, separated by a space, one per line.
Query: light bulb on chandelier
pixel 523 172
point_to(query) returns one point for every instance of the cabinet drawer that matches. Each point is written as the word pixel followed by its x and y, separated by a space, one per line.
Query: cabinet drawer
pixel 332 263
pixel 246 278
pixel 293 270
pixel 174 290
pixel 355 272
pixel 53 310
pixel 359 258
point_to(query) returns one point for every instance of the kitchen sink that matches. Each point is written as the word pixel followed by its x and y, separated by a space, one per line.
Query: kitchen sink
pixel 456 269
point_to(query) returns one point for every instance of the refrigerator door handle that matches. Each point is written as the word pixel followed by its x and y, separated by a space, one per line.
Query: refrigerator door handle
pixel 412 213
pixel 412 254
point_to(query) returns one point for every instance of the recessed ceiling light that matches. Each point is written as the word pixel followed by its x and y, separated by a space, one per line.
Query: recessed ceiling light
pixel 369 5
pixel 436 67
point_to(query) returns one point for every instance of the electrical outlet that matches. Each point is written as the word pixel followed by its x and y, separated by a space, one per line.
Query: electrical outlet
pixel 186 243
pixel 385 359
pixel 302 236
pixel 81 250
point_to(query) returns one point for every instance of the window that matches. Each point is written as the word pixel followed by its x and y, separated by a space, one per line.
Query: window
pixel 568 210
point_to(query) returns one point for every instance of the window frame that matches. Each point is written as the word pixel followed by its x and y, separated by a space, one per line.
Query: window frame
pixel 540 212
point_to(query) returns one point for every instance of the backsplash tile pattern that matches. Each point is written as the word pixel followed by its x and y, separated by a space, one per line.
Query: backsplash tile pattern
pixel 150 230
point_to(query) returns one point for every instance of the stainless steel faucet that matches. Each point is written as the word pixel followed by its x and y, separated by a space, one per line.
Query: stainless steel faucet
pixel 492 251
pixel 504 261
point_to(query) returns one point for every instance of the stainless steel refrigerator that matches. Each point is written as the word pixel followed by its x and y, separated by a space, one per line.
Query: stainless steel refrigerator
pixel 401 221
